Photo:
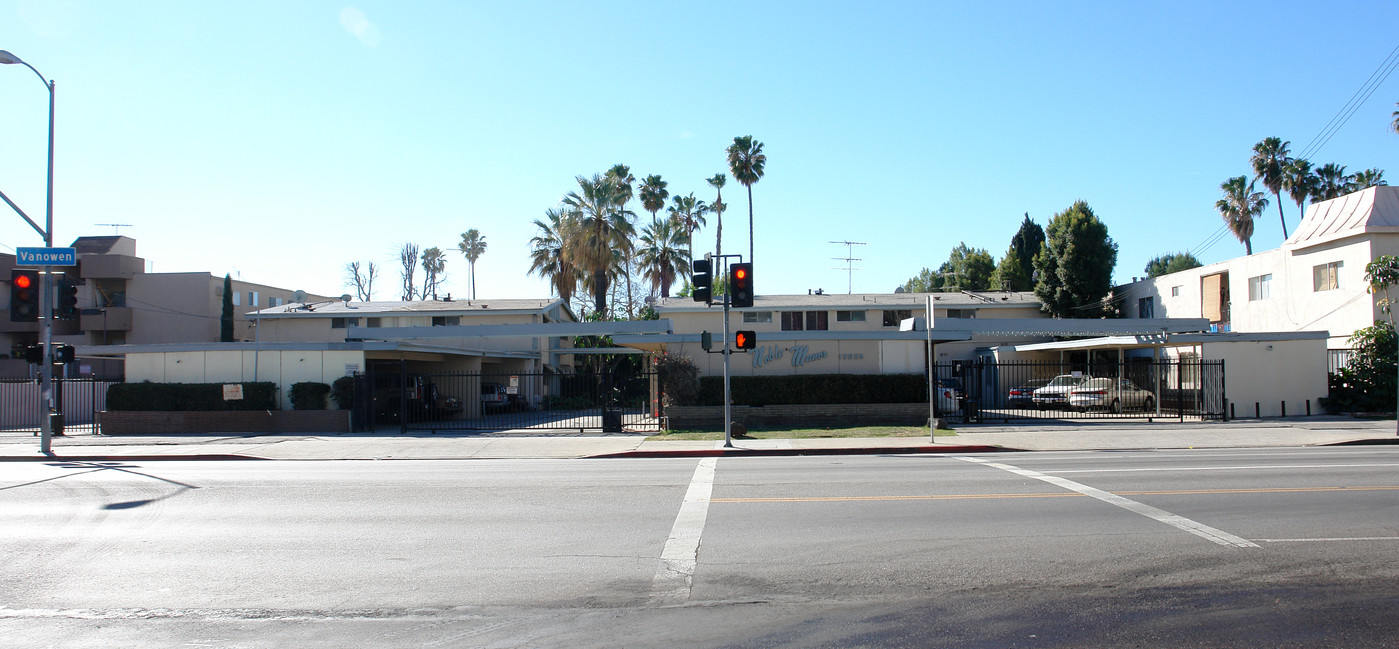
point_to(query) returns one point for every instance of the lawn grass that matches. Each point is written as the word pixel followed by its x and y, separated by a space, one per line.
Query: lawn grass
pixel 808 433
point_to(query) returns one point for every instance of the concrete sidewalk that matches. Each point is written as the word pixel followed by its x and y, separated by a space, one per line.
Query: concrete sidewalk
pixel 1076 436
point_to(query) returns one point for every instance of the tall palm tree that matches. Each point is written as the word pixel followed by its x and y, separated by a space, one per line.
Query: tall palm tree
pixel 653 194
pixel 660 256
pixel 746 162
pixel 1300 182
pixel 603 227
pixel 549 256
pixel 434 270
pixel 687 215
pixel 717 207
pixel 1331 181
pixel 1269 164
pixel 472 246
pixel 1366 179
pixel 621 175
pixel 1239 207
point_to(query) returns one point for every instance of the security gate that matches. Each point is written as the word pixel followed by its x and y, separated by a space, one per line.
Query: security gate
pixel 79 399
pixel 609 401
pixel 1133 389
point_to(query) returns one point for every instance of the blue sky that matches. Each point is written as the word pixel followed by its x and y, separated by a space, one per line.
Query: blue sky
pixel 280 140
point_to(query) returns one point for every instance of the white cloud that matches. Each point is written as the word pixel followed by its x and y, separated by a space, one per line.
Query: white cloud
pixel 353 21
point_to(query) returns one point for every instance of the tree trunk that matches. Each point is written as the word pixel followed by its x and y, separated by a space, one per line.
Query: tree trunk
pixel 600 293
pixel 750 224
pixel 1280 218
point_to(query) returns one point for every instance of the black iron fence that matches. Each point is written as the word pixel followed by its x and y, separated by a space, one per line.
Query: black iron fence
pixel 606 401
pixel 1142 389
pixel 78 399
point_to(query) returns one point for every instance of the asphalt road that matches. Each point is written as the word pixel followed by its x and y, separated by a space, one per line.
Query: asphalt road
pixel 1207 548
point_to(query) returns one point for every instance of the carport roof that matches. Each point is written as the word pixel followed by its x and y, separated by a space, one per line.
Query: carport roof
pixel 1168 340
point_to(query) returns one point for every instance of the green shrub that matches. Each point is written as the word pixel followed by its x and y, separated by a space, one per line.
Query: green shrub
pixel 309 395
pixel 815 388
pixel 171 397
pixel 342 392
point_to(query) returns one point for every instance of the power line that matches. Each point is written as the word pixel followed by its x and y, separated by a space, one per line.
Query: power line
pixel 1344 114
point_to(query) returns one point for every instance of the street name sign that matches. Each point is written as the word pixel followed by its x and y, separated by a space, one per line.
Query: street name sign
pixel 46 256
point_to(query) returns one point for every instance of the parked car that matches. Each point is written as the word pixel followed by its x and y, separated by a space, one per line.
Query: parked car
pixel 1023 396
pixel 1113 395
pixel 494 397
pixel 1055 394
pixel 950 394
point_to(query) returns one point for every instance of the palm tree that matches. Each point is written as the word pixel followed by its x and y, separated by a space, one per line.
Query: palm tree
pixel 434 271
pixel 660 255
pixel 1395 124
pixel 746 162
pixel 1269 164
pixel 687 214
pixel 1239 207
pixel 1366 179
pixel 603 227
pixel 1331 181
pixel 548 253
pixel 472 245
pixel 621 175
pixel 653 194
pixel 1299 181
pixel 717 207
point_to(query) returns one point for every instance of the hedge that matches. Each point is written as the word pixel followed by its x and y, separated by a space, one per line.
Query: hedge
pixel 815 388
pixel 309 395
pixel 173 397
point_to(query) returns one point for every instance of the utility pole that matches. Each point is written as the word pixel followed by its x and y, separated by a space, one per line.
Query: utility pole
pixel 849 260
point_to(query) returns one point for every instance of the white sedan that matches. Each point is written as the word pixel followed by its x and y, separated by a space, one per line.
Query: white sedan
pixel 1113 395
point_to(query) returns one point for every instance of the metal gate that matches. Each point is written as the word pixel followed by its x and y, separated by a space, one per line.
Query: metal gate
pixel 79 399
pixel 1132 389
pixel 613 402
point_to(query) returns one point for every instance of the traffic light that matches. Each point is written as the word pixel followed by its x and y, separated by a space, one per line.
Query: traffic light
pixel 745 340
pixel 34 353
pixel 701 279
pixel 24 295
pixel 741 284
pixel 64 354
pixel 67 307
pixel 706 340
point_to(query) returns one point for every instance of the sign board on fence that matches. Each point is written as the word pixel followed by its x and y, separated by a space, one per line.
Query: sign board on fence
pixel 232 392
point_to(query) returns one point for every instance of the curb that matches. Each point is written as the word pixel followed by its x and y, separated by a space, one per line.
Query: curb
pixel 786 452
pixel 217 457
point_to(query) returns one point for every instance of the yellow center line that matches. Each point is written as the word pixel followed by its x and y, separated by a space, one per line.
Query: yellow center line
pixel 1057 494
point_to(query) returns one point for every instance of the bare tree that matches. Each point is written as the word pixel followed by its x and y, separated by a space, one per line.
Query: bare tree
pixel 361 277
pixel 434 271
pixel 409 258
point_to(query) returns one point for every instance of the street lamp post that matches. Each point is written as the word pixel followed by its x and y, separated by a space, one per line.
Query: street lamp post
pixel 45 280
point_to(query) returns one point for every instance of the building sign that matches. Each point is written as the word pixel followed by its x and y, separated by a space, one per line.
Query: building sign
pixel 801 355
pixel 46 256
pixel 232 392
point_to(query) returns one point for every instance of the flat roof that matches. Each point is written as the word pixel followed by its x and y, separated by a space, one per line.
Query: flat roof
pixel 1169 340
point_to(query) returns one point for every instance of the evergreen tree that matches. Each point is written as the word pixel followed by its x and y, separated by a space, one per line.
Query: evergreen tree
pixel 1075 265
pixel 1173 263
pixel 226 319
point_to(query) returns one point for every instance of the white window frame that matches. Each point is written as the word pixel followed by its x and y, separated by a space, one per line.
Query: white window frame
pixel 1260 287
pixel 1326 277
pixel 757 317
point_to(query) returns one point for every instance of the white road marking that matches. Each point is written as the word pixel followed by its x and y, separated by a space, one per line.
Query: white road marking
pixel 1226 468
pixel 676 571
pixel 1332 540
pixel 1180 522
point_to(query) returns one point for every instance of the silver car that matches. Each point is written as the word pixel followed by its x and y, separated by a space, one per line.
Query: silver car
pixel 1113 395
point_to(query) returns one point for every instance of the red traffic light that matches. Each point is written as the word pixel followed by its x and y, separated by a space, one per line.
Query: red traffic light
pixel 22 281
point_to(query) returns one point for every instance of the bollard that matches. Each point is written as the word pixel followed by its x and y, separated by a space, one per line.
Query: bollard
pixel 1309 407
pixel 1284 408
pixel 1257 412
pixel 1231 412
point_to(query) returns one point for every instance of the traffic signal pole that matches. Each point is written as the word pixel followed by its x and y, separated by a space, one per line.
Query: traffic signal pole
pixel 728 405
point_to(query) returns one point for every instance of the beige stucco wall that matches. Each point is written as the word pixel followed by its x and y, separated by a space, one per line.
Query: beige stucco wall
pixel 281 367
pixel 1269 373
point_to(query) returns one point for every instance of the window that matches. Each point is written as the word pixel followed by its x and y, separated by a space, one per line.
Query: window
pixel 1260 288
pixel 446 320
pixel 237 299
pixel 1175 291
pixel 252 298
pixel 961 313
pixel 341 323
pixel 793 320
pixel 1326 277
pixel 756 317
pixel 274 301
pixel 374 323
pixel 850 316
pixel 816 320
pixel 893 318
pixel 1144 308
